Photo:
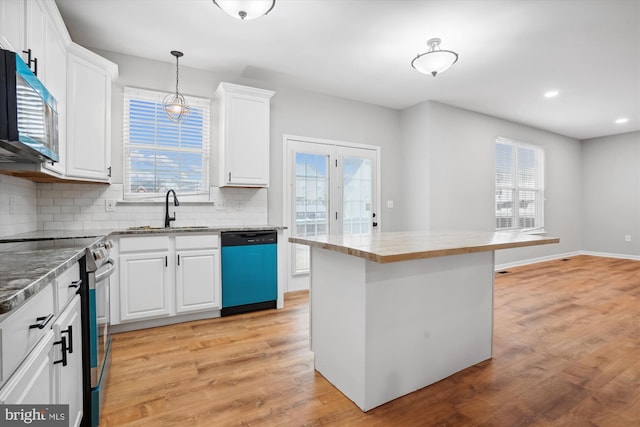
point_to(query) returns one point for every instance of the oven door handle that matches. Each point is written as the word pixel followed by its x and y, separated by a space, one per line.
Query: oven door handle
pixel 107 273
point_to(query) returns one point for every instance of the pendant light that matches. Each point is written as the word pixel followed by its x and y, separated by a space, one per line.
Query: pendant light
pixel 245 10
pixel 174 104
pixel 436 60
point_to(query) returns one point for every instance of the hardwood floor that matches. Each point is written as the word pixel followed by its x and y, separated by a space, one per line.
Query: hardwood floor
pixel 566 353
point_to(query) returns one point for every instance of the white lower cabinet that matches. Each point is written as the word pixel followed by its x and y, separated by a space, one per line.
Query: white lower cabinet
pixel 144 290
pixel 41 352
pixel 164 276
pixel 197 280
pixel 68 360
pixel 33 381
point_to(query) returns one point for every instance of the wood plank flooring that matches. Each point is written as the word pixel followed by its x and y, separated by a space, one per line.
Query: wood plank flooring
pixel 566 353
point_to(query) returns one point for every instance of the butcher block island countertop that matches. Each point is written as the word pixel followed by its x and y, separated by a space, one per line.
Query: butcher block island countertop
pixel 409 245
pixel 394 312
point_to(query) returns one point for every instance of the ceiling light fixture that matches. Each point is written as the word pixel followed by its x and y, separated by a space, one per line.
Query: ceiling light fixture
pixel 174 104
pixel 622 120
pixel 245 10
pixel 551 94
pixel 436 60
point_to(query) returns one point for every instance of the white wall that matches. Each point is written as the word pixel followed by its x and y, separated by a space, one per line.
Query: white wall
pixel 293 111
pixel 459 145
pixel 436 163
pixel 611 194
pixel 416 181
pixel 302 113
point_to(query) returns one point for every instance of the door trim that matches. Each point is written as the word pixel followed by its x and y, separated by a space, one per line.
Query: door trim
pixel 287 188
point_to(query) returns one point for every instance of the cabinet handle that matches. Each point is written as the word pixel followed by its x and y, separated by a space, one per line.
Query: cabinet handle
pixel 166 261
pixel 75 284
pixel 43 322
pixel 69 332
pixel 30 61
pixel 229 176
pixel 63 350
pixel 178 259
pixel 109 171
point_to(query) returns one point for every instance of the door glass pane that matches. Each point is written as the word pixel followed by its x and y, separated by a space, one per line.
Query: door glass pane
pixel 357 195
pixel 312 202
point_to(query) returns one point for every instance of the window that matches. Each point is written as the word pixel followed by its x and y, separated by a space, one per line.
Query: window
pixel 519 199
pixel 160 154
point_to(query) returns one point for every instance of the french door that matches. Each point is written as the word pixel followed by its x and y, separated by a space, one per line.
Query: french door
pixel 332 188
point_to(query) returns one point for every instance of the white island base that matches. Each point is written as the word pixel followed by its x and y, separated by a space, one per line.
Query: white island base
pixel 382 330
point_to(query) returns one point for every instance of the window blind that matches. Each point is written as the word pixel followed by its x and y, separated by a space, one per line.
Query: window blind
pixel 519 174
pixel 160 154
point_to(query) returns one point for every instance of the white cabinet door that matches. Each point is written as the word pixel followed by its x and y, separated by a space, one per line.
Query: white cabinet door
pixel 144 288
pixel 56 60
pixel 33 382
pixel 68 370
pixel 89 115
pixel 244 135
pixel 36 37
pixel 197 280
pixel 12 24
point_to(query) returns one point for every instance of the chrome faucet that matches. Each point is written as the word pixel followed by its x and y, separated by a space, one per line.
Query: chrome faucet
pixel 167 218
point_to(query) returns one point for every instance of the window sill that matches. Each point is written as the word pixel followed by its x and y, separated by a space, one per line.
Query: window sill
pixel 148 202
pixel 536 232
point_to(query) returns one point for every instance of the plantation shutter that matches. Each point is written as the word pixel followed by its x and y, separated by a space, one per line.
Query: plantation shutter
pixel 519 174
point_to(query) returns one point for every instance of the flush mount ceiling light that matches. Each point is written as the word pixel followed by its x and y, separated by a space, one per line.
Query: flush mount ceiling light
pixel 174 104
pixel 622 120
pixel 551 94
pixel 245 10
pixel 436 60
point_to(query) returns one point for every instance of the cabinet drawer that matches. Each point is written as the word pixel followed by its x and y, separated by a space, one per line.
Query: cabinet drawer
pixel 151 243
pixel 17 337
pixel 197 242
pixel 67 285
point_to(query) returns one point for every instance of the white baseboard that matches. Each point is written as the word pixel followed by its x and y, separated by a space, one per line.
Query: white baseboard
pixel 610 255
pixel 500 267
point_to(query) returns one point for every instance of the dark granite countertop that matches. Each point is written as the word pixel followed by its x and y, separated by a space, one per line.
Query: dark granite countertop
pixel 28 267
pixel 31 261
pixel 194 229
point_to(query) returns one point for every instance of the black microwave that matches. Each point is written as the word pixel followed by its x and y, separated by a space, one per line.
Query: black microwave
pixel 28 114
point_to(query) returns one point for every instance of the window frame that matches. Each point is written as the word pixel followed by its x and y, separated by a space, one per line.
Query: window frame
pixel 196 103
pixel 516 188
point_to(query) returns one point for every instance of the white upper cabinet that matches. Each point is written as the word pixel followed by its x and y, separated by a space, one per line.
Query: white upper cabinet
pixel 12 24
pixel 244 135
pixel 36 25
pixel 89 114
pixel 35 38
pixel 55 64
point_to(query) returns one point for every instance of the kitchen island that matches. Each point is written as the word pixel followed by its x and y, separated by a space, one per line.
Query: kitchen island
pixel 394 312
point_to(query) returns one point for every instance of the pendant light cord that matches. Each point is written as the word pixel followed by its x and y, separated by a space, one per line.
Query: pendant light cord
pixel 177 73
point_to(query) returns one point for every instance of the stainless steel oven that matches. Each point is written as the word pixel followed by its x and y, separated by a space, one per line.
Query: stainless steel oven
pixel 98 267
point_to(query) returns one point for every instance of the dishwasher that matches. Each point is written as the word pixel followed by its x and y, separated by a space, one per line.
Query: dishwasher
pixel 249 271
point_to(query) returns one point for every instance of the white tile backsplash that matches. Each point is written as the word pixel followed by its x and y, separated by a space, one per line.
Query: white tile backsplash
pixel 18 210
pixel 82 206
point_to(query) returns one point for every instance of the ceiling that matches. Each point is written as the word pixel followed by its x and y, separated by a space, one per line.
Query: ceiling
pixel 510 51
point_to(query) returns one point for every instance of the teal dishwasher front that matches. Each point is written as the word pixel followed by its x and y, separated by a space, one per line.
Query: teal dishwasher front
pixel 249 271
